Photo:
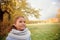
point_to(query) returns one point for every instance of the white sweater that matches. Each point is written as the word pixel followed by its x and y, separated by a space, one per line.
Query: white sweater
pixel 19 35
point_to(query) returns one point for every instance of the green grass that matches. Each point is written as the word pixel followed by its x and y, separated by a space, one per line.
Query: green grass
pixel 44 31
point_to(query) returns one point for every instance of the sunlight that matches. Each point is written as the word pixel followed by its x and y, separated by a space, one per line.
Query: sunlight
pixel 48 8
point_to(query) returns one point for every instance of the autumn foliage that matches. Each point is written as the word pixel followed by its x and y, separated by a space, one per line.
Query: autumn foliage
pixel 11 9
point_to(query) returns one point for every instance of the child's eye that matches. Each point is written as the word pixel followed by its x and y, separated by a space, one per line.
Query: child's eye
pixel 24 21
pixel 20 21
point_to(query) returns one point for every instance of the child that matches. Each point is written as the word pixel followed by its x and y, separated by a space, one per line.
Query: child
pixel 19 30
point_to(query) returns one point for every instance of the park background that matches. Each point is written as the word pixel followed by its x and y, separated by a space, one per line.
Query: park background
pixel 42 17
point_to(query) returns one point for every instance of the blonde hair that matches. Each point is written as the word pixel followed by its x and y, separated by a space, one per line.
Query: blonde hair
pixel 18 18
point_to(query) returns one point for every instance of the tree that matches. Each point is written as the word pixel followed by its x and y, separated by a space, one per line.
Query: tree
pixel 16 8
pixel 21 8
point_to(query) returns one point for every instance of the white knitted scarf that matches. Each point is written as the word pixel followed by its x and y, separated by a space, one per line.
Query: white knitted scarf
pixel 22 35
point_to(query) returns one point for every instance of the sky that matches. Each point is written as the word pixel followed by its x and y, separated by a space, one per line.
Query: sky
pixel 48 8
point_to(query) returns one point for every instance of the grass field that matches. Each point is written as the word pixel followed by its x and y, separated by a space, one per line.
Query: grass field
pixel 48 31
pixel 44 31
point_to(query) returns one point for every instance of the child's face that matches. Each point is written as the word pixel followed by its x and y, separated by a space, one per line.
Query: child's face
pixel 20 23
